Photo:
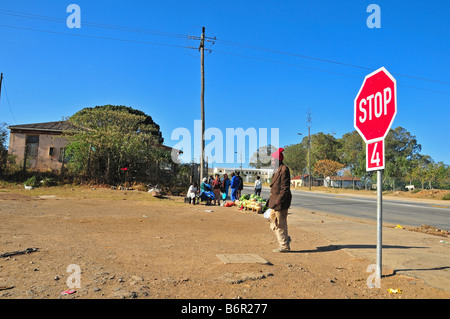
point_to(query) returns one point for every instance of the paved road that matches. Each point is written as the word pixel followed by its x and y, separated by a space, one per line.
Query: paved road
pixel 394 211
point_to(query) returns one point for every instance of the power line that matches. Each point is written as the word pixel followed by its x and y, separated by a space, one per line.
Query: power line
pixel 210 50
pixel 109 26
pixel 284 63
pixel 226 42
pixel 253 47
pixel 318 69
pixel 7 100
pixel 93 36
pixel 209 39
pixel 91 24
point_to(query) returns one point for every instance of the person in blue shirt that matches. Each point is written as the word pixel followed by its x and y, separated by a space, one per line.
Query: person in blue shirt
pixel 234 186
pixel 206 193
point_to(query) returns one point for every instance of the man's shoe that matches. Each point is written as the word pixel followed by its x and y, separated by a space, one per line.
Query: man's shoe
pixel 281 250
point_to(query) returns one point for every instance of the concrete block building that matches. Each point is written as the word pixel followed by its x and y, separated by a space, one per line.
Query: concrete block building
pixel 38 146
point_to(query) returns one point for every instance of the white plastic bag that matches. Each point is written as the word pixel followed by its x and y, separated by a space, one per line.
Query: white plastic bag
pixel 267 213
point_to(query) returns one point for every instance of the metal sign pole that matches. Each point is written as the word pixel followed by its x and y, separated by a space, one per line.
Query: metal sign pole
pixel 379 220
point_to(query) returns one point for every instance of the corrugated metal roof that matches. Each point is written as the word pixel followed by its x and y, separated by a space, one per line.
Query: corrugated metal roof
pixel 58 126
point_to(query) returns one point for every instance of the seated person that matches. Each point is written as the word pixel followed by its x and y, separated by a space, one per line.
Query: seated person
pixel 206 193
pixel 192 193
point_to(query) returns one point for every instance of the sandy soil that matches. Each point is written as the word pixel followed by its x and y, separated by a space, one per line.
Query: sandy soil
pixel 131 245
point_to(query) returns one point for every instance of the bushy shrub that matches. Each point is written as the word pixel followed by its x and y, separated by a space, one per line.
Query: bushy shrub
pixel 32 181
pixel 48 181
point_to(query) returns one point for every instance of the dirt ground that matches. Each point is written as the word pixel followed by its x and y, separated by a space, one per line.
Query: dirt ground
pixel 129 244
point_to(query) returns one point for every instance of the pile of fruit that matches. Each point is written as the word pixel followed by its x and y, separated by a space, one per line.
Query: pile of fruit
pixel 251 203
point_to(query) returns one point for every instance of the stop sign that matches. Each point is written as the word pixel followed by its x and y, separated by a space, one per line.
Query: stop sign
pixel 375 105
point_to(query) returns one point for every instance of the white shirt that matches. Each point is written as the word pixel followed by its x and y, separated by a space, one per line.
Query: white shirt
pixel 192 191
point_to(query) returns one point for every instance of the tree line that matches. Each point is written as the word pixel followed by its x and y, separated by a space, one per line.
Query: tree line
pixel 115 144
pixel 346 156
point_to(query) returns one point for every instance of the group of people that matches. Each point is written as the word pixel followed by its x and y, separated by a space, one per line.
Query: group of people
pixel 217 189
pixel 279 201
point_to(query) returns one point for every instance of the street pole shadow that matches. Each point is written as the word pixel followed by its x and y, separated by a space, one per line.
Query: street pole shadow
pixel 355 246
pixel 395 271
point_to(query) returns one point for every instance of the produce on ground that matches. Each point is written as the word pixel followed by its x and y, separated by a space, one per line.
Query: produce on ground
pixel 251 203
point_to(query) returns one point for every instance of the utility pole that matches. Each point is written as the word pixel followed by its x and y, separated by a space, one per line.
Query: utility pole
pixel 1 80
pixel 202 100
pixel 203 39
pixel 241 160
pixel 308 120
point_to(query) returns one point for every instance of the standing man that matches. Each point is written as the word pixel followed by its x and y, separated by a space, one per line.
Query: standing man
pixel 216 189
pixel 241 184
pixel 258 186
pixel 280 201
pixel 234 186
pixel 225 186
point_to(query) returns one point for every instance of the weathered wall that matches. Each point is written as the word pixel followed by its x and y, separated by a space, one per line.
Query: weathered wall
pixel 44 160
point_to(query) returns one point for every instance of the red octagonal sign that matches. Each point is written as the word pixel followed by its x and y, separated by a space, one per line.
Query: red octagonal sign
pixel 376 105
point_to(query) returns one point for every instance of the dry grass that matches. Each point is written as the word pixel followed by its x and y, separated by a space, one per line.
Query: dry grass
pixel 99 192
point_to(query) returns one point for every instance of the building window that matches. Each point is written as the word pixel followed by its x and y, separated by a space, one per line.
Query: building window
pixel 51 151
pixel 32 139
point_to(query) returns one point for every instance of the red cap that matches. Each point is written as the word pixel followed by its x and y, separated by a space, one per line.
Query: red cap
pixel 278 154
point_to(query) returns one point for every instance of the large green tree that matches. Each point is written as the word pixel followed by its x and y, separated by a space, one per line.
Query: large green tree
pixel 427 170
pixel 352 153
pixel 296 158
pixel 443 175
pixel 323 146
pixel 401 148
pixel 113 143
pixel 146 119
pixel 420 169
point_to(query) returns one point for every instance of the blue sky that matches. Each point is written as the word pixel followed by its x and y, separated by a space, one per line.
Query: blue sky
pixel 51 75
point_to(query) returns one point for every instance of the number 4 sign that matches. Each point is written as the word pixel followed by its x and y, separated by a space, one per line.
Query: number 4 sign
pixel 375 155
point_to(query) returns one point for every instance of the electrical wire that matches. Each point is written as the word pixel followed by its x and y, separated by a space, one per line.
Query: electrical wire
pixel 253 47
pixel 91 24
pixel 7 100
pixel 93 36
pixel 283 63
pixel 225 42
pixel 317 69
